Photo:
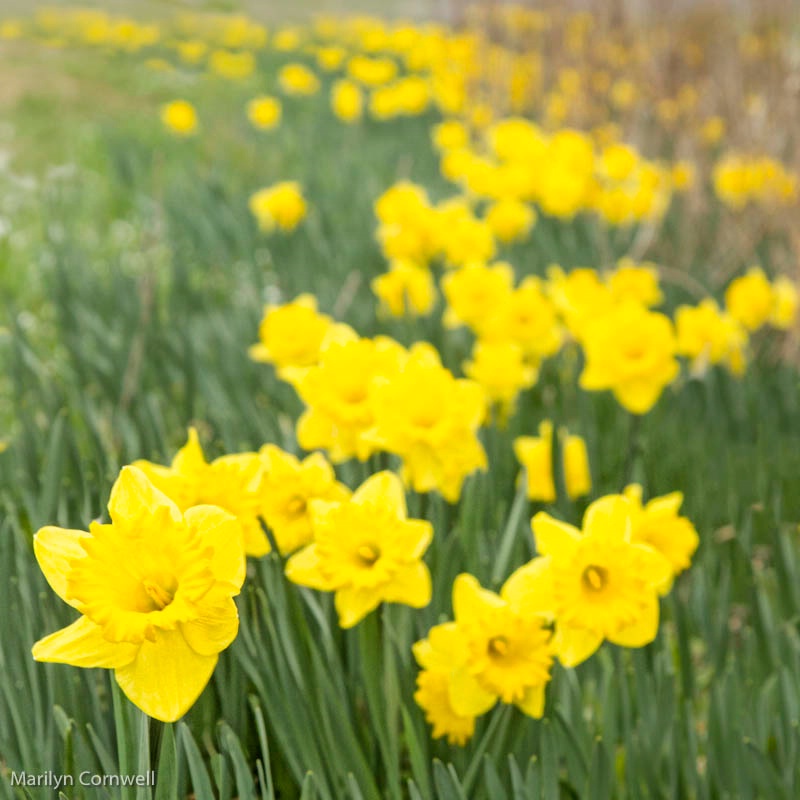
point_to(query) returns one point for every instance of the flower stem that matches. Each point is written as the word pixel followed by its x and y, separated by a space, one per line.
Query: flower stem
pixel 634 449
pixel 156 733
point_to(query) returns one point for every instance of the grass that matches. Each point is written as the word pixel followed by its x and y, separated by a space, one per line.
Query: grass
pixel 129 304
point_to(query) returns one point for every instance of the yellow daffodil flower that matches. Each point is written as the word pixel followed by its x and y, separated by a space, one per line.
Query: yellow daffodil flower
pixel 155 591
pixel 366 550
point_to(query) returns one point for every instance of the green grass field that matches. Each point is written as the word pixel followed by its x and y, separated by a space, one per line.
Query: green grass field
pixel 133 279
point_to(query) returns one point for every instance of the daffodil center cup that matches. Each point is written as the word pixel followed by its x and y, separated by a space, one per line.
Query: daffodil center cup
pixel 296 506
pixel 594 578
pixel 161 593
pixel 368 554
pixel 498 646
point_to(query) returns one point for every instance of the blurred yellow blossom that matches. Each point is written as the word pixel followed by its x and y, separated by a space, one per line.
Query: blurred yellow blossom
pixel 298 79
pixel 264 112
pixel 405 289
pixel 291 335
pixel 180 117
pixel 632 352
pixel 750 299
pixel 281 205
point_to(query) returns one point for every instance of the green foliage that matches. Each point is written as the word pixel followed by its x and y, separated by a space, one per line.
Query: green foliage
pixel 144 293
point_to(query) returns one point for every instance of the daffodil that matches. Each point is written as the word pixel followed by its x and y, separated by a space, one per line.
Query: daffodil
pixel 409 225
pixel 366 550
pixel 155 591
pixel 632 352
pixel 500 368
pixel 508 640
pixel 443 656
pixel 785 302
pixel 430 419
pixel 232 482
pixel 526 317
pixel 291 335
pixel 510 219
pixel 180 118
pixel 659 524
pixel 347 101
pixel 405 289
pixel 580 296
pixel 535 454
pixel 473 291
pixel 499 648
pixel 707 335
pixel 339 394
pixel 264 112
pixel 288 488
pixel 605 585
pixel 298 79
pixel 750 299
pixel 279 206
pixel 632 282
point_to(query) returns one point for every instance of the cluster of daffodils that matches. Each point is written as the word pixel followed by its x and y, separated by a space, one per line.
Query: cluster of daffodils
pixel 585 586
pixel 740 181
pixel 593 91
pixel 155 586
pixel 628 347
pixel 564 173
pixel 364 396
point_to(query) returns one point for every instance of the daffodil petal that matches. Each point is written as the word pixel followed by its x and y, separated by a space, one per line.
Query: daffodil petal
pixel 213 630
pixel 260 353
pixel 166 677
pixel 470 600
pixel 303 568
pixel 411 586
pixel 353 604
pixel 55 548
pixel 82 644
pixel 653 566
pixel 190 460
pixel 553 537
pixel 467 697
pixel 255 541
pixel 134 496
pixel 668 504
pixel 529 589
pixel 574 645
pixel 224 533
pixel 641 632
pixel 532 703
pixel 609 517
pixel 418 534
pixel 384 489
